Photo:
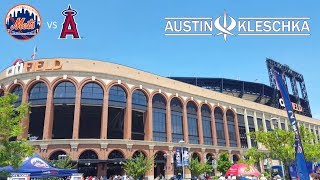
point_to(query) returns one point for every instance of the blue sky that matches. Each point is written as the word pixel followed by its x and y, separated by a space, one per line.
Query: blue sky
pixel 131 32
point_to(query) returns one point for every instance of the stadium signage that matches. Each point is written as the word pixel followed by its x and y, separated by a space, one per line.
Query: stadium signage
pixel 19 66
pixel 296 107
pixel 243 26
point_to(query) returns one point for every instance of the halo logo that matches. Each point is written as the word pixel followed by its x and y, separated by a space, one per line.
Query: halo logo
pixel 69 21
pixel 243 26
pixel 23 22
pixel 224 29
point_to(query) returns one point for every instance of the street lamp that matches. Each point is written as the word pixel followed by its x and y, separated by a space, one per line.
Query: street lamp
pixel 182 158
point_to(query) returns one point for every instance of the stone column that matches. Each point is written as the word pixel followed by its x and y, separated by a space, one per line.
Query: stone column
pixel 236 125
pixel 315 133
pixel 104 116
pixel 149 123
pixel 48 119
pixel 213 129
pixel 225 125
pixel 247 128
pixel 200 128
pixel 264 125
pixel 168 122
pixel 256 127
pixel 26 120
pixel 150 173
pixel 185 124
pixel 286 125
pixel 169 164
pixel 76 119
pixel 279 123
pixel 128 118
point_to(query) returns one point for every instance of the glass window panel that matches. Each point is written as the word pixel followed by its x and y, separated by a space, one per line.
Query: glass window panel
pixel 38 94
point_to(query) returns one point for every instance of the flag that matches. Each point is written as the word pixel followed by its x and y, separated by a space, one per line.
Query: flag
pixel 33 56
pixel 300 159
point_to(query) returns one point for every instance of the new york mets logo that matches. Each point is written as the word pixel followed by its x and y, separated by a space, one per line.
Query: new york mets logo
pixel 23 22
pixel 37 162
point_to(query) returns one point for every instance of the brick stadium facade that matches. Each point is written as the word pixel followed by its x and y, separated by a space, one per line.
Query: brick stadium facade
pixel 101 113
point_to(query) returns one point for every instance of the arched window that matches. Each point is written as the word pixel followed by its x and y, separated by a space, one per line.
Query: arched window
pixel 91 110
pixel 65 93
pixel 176 120
pixel 218 115
pixel 117 96
pixel 137 153
pixel 37 99
pixel 235 158
pixel 87 163
pixel 116 112
pixel 139 109
pixel 115 154
pixel 196 156
pixel 159 162
pixel 38 94
pixel 192 123
pixel 206 125
pixel 139 100
pixel 159 118
pixel 88 154
pixel 64 100
pixel 19 92
pixel 57 155
pixel 92 94
pixel 231 129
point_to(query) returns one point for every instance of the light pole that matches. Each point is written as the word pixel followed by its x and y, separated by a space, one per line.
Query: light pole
pixel 182 158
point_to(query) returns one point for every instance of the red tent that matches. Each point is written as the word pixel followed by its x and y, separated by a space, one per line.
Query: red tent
pixel 242 169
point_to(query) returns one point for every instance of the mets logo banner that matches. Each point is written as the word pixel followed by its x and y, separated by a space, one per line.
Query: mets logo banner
pixel 300 159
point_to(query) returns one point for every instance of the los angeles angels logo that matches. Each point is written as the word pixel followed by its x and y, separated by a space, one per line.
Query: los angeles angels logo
pixel 69 22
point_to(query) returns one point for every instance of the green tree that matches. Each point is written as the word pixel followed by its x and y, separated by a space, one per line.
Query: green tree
pixel 224 162
pixel 310 144
pixel 138 167
pixel 280 144
pixel 253 156
pixel 196 168
pixel 12 152
pixel 63 163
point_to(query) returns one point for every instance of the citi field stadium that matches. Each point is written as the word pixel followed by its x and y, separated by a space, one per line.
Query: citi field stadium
pixel 101 114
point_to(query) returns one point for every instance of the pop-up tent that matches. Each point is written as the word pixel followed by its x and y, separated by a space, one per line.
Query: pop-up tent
pixel 38 168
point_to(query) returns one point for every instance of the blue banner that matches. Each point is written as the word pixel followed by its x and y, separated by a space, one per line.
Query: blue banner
pixel 185 157
pixel 178 157
pixel 300 159
pixel 182 157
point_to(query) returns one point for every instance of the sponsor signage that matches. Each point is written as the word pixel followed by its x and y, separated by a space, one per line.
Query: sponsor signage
pixel 296 107
pixel 227 25
pixel 19 66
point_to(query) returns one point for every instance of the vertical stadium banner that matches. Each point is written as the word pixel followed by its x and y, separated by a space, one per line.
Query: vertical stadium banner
pixel 300 159
pixel 178 157
pixel 185 157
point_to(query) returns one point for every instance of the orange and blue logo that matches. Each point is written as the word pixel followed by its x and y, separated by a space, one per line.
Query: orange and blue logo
pixel 23 22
